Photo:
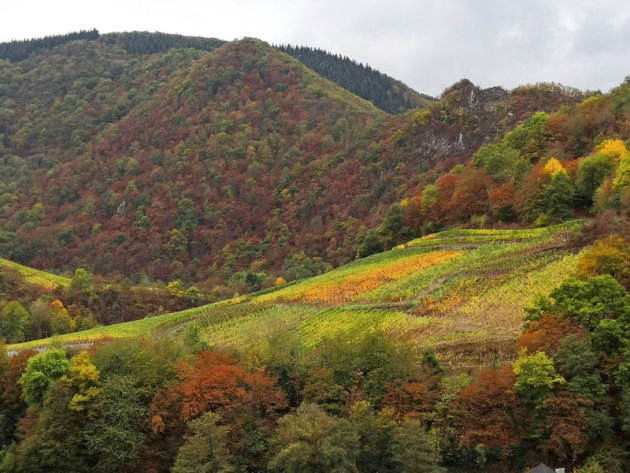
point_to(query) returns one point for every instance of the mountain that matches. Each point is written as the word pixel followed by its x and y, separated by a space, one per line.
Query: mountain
pixel 236 164
pixel 385 92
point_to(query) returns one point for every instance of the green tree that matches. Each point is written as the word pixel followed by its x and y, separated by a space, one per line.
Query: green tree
pixel 310 441
pixel 14 323
pixel 576 362
pixel 622 176
pixel 40 310
pixel 535 376
pixel 375 436
pixel 82 281
pixel 192 295
pixel 503 163
pixel 369 243
pixel 205 449
pixel 591 173
pixel 57 443
pixel 116 437
pixel 559 197
pixel 40 372
pixel 592 300
pixel 609 336
pixel 321 389
pixel 412 449
pixel 393 229
pixel 430 195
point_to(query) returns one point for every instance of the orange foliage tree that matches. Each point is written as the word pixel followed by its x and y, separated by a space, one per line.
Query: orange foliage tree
pixel 411 400
pixel 248 403
pixel 545 334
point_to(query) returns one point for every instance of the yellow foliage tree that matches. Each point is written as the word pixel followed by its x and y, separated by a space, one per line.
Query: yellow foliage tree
pixel 84 378
pixel 280 281
pixel 553 167
pixel 616 147
pixel 608 256
pixel 622 177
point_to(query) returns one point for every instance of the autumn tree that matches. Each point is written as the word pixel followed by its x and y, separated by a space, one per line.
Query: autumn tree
pixel 12 406
pixel 567 427
pixel 486 410
pixel 83 380
pixel 546 333
pixel 610 255
pixel 248 403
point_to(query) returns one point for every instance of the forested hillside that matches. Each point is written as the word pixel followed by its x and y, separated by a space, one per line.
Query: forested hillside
pixel 386 93
pixel 227 167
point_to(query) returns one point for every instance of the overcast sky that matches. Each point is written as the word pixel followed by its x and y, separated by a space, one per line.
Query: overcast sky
pixel 428 44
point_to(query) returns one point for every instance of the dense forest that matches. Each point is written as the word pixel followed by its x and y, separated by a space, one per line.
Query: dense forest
pixel 386 93
pixel 469 264
pixel 218 167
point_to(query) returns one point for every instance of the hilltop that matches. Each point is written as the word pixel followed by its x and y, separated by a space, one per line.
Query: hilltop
pixel 386 93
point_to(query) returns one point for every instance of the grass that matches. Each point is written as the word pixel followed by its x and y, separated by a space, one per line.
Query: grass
pixel 458 285
pixel 35 276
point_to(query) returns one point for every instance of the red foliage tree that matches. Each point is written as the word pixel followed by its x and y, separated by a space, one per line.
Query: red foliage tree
pixel 567 425
pixel 545 334
pixel 488 408
pixel 410 400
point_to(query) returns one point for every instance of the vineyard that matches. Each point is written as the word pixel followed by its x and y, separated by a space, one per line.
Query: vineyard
pixel 462 286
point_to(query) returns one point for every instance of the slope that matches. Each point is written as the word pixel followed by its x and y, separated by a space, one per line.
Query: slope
pixel 456 288
pixel 36 277
pixel 386 93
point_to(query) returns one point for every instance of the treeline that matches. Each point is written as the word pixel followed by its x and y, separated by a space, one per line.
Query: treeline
pixel 144 42
pixel 135 42
pixel 246 164
pixel 30 312
pixel 19 50
pixel 383 91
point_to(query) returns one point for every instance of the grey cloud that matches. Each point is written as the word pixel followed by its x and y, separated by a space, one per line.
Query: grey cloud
pixel 429 44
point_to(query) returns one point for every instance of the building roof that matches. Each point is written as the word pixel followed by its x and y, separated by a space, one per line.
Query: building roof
pixel 542 468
